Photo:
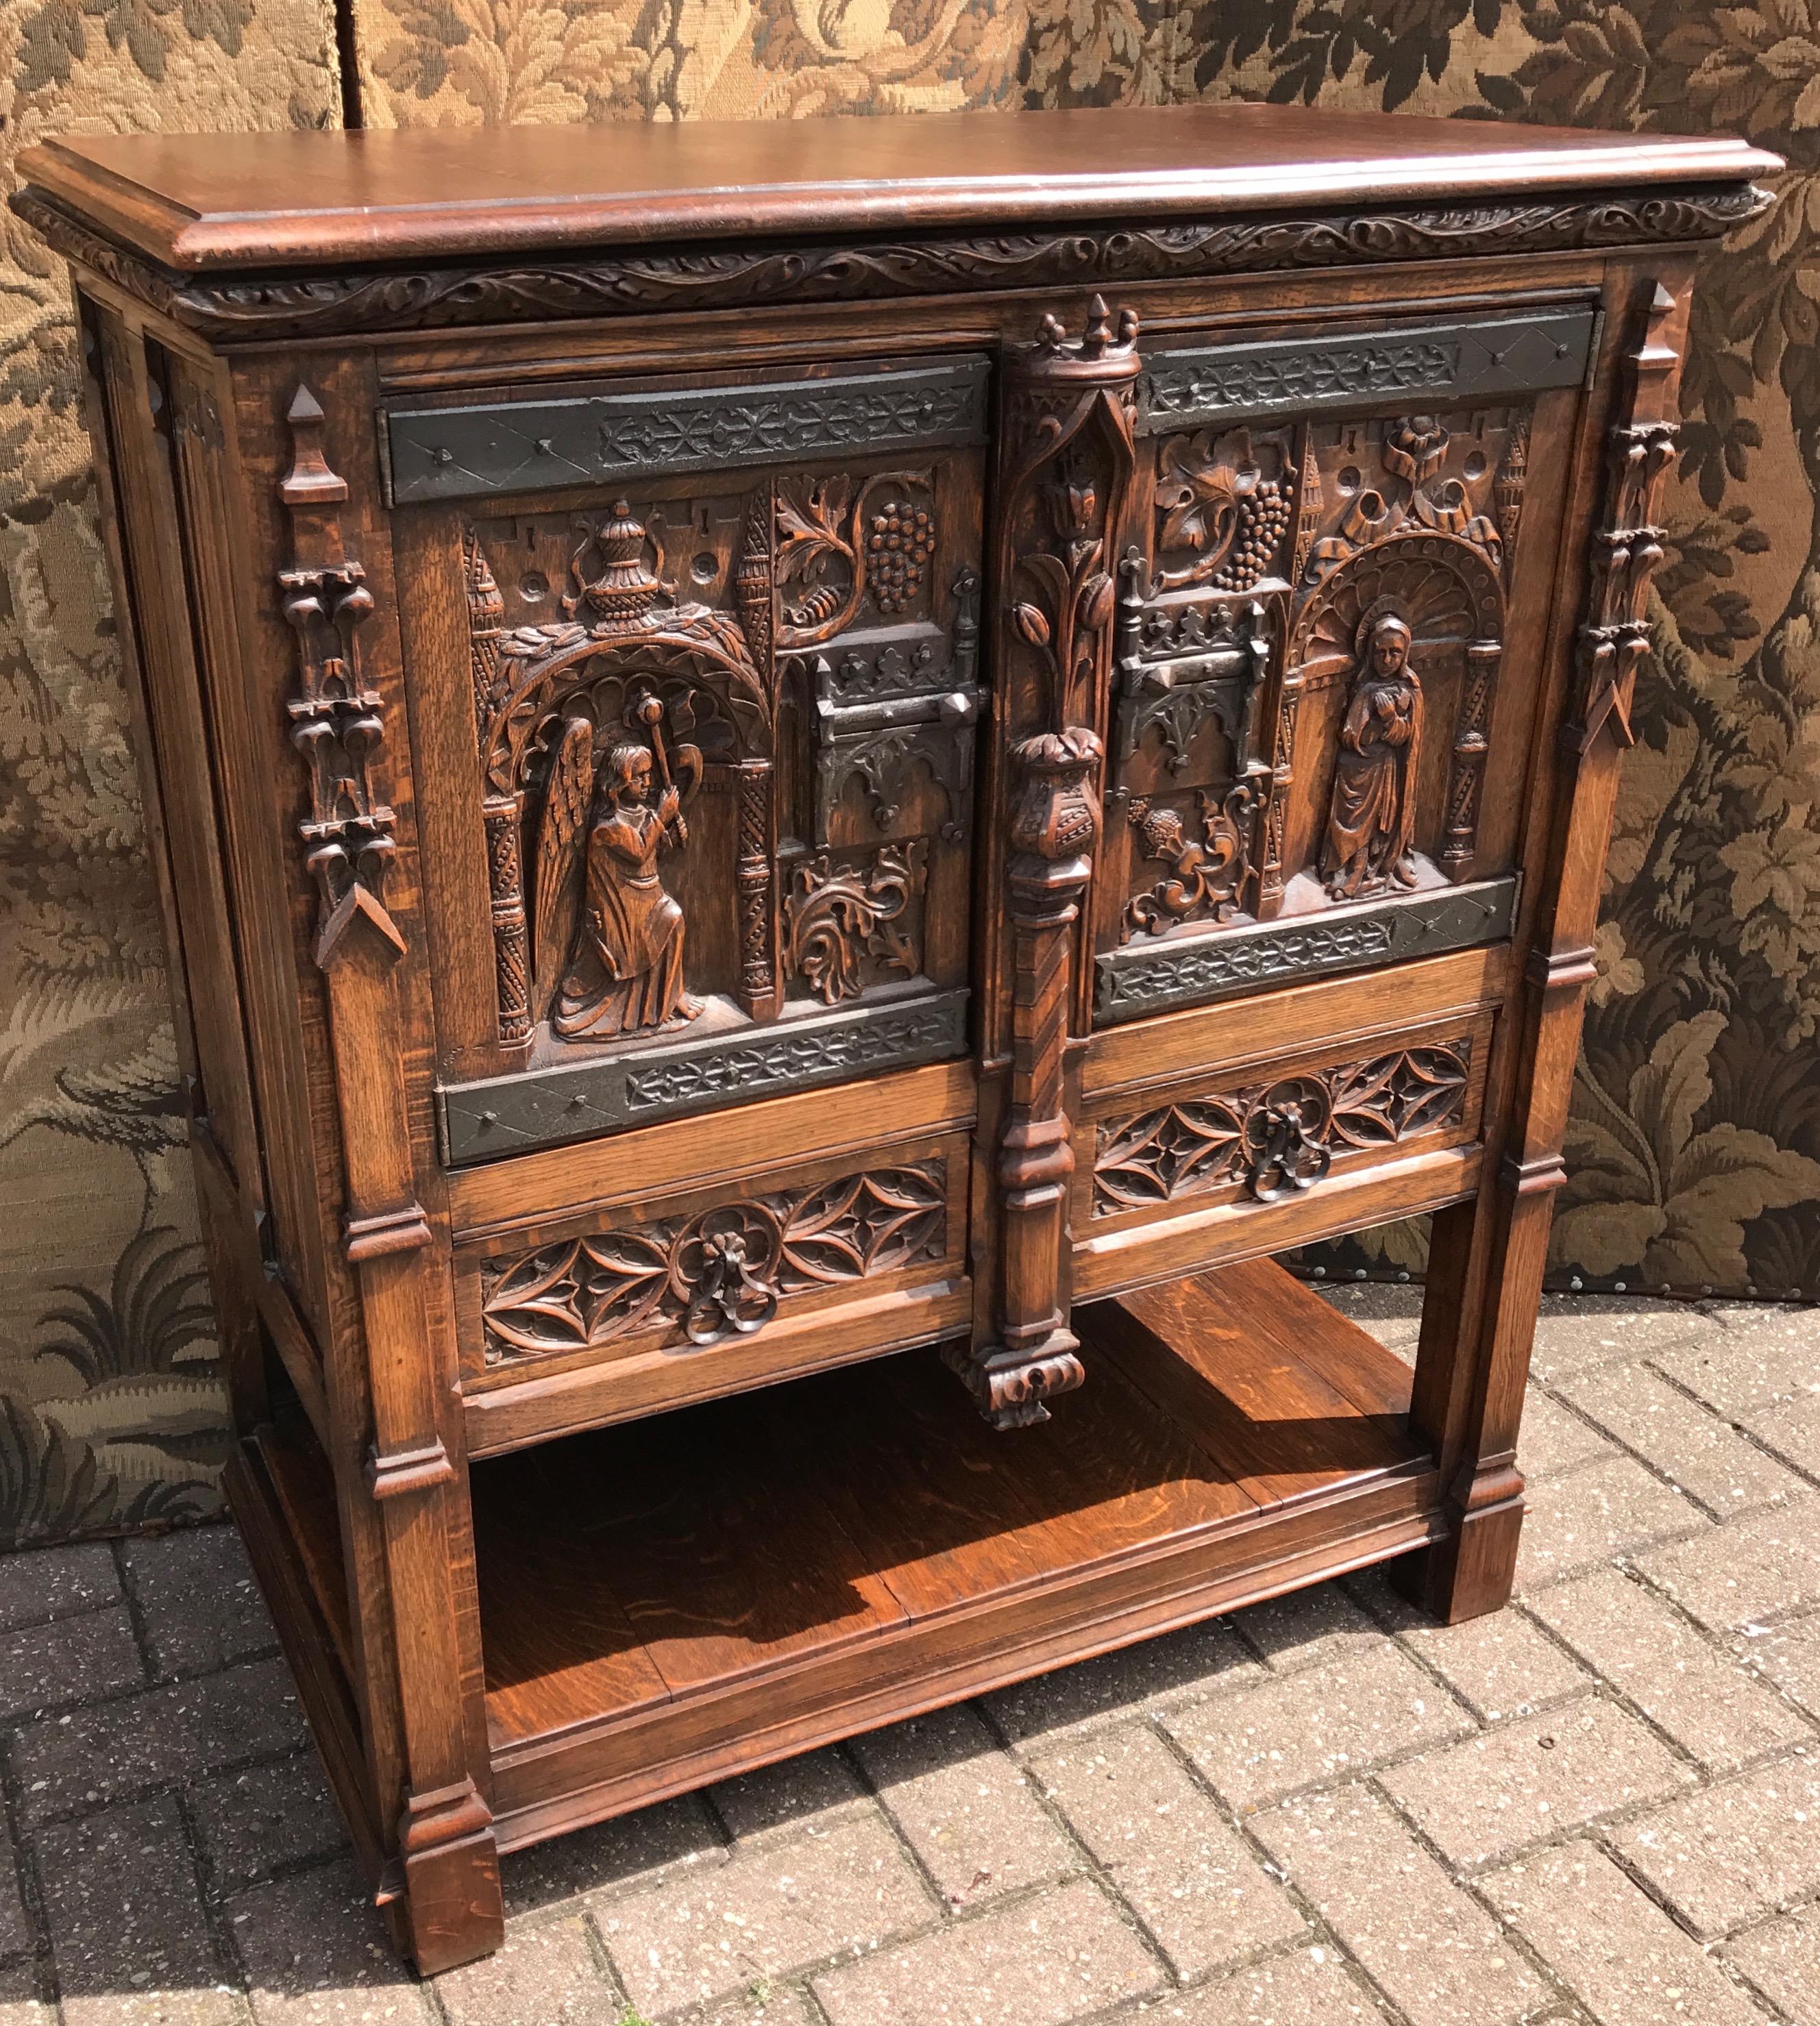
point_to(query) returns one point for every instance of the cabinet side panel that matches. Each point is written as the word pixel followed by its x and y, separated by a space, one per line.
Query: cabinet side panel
pixel 133 678
pixel 238 689
pixel 137 425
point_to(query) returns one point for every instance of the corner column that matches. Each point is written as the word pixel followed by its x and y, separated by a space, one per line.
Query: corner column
pixel 1487 1257
pixel 454 1909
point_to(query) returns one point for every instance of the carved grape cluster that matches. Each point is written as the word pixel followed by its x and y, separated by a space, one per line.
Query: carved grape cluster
pixel 899 545
pixel 1264 516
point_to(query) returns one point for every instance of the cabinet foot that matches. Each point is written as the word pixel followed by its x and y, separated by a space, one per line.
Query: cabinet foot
pixel 1470 1571
pixel 454 1907
pixel 1010 1387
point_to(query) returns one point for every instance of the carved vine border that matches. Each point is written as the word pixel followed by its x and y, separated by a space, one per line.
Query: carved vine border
pixel 720 278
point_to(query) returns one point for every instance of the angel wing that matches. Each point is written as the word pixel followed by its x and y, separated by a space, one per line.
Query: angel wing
pixel 556 885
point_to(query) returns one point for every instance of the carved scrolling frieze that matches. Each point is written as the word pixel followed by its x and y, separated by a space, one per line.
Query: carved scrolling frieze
pixel 1270 1140
pixel 638 281
pixel 337 721
pixel 596 436
pixel 1474 358
pixel 718 1274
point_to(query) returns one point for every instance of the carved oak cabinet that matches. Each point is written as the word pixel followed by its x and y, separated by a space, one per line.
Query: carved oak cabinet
pixel 811 783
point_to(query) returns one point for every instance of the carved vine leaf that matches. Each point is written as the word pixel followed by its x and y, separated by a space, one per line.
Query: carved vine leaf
pixel 810 530
pixel 1198 493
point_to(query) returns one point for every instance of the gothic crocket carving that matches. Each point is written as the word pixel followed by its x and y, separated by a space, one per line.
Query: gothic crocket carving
pixel 1615 640
pixel 337 721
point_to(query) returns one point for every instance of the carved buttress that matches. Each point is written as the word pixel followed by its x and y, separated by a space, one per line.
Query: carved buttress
pixel 337 721
pixel 1068 466
pixel 1615 640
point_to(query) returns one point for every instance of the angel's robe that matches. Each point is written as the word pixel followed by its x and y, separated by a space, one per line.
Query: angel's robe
pixel 627 972
pixel 1371 831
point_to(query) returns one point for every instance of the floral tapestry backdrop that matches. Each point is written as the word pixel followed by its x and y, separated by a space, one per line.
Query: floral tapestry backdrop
pixel 1695 1147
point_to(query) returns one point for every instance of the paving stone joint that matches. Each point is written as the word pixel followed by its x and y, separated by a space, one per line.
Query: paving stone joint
pixel 1601 1804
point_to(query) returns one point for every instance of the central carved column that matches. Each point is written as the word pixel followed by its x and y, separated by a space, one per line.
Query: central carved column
pixel 1064 477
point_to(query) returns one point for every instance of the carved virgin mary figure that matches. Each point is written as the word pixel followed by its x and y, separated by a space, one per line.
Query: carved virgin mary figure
pixel 1371 826
pixel 618 969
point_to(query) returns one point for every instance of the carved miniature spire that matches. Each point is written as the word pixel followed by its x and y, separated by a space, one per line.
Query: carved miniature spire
pixel 486 623
pixel 1308 506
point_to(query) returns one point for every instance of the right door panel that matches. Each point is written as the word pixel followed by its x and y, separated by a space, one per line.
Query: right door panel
pixel 1329 644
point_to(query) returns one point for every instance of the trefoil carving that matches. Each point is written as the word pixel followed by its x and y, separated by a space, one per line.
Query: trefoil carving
pixel 1274 1139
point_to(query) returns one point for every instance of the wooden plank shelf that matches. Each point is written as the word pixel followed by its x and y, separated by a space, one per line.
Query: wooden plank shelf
pixel 667 1602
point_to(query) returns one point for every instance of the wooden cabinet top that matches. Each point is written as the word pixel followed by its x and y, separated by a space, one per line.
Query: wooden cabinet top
pixel 197 203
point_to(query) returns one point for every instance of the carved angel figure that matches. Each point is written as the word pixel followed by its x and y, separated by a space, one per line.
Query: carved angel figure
pixel 1371 826
pixel 619 970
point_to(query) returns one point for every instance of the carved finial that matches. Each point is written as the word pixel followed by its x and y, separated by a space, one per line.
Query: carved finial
pixel 1100 340
pixel 309 483
pixel 627 587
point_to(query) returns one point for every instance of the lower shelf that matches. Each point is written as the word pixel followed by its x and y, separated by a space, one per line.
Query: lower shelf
pixel 667 1602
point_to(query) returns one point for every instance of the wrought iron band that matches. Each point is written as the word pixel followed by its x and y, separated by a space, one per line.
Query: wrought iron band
pixel 549 1107
pixel 588 435
pixel 1138 980
pixel 1468 359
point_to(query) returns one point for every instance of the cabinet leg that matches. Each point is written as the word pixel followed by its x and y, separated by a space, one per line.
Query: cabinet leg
pixel 1470 1571
pixel 455 1909
pixel 1485 1266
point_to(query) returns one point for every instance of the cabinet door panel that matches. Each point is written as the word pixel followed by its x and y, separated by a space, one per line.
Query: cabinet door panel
pixel 1329 646
pixel 714 837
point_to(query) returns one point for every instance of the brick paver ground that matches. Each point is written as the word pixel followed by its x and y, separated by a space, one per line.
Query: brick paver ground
pixel 1600 1807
